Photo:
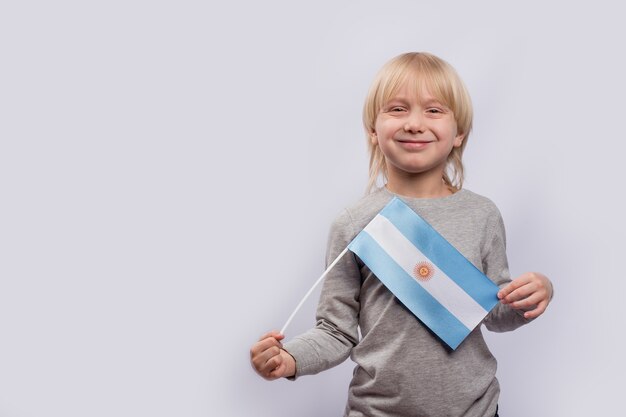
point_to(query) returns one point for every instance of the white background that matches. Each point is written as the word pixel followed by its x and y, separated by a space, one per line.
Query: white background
pixel 169 171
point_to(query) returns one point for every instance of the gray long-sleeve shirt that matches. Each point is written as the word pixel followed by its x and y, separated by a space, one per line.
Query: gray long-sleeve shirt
pixel 402 368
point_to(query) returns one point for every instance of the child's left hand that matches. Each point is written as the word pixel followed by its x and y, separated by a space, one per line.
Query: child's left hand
pixel 531 291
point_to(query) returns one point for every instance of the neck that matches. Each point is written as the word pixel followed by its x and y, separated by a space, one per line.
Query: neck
pixel 418 185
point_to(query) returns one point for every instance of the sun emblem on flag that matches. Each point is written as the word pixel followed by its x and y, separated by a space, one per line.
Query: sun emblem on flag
pixel 423 271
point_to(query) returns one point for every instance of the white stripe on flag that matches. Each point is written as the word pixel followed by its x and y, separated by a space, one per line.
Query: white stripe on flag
pixel 441 287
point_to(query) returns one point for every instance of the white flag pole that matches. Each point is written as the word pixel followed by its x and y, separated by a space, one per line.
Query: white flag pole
pixel 282 331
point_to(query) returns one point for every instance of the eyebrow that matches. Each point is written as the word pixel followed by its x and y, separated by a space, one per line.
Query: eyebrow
pixel 430 101
pixel 433 100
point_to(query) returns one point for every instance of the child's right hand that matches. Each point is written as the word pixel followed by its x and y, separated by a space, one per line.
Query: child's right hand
pixel 269 359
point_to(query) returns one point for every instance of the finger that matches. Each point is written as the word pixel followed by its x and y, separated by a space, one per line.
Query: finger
pixel 261 358
pixel 263 345
pixel 512 286
pixel 524 279
pixel 271 362
pixel 520 293
pixel 274 333
pixel 529 295
pixel 514 295
pixel 541 307
pixel 268 355
pixel 260 355
pixel 278 372
pixel 266 341
pixel 279 369
pixel 529 302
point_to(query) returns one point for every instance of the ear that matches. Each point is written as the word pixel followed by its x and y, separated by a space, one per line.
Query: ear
pixel 373 138
pixel 458 140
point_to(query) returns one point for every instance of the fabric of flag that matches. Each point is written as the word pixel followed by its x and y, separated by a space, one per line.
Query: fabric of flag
pixel 425 272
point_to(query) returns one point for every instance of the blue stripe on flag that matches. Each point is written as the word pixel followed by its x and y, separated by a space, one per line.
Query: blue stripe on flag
pixel 442 253
pixel 408 291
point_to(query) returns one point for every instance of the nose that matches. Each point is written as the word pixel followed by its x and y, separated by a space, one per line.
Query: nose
pixel 414 122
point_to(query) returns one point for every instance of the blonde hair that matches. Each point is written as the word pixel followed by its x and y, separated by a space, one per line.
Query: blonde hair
pixel 438 77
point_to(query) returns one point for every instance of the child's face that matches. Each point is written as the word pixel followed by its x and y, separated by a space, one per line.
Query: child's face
pixel 415 133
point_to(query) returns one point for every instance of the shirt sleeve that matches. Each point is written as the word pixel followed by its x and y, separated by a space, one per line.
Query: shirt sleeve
pixel 502 318
pixel 330 342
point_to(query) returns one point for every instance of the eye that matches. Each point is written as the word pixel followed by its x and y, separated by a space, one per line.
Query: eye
pixel 434 111
pixel 396 109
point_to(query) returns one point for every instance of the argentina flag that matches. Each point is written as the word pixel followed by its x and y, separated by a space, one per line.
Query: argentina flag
pixel 425 272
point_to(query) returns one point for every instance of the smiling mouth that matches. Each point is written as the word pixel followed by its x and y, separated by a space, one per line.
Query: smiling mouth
pixel 414 144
